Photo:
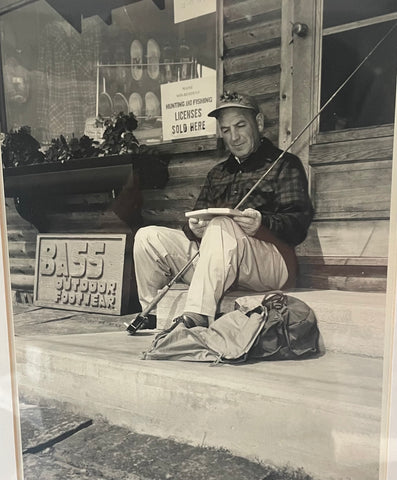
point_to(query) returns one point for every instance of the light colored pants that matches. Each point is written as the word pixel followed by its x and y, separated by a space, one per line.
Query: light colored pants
pixel 228 257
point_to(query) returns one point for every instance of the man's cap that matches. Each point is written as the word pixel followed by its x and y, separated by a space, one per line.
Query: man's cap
pixel 234 99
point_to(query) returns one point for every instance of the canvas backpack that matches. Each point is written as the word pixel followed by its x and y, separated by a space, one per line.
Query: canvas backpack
pixel 274 326
pixel 290 331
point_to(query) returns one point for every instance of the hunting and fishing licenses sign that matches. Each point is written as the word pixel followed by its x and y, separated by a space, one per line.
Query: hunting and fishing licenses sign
pixel 83 272
pixel 185 106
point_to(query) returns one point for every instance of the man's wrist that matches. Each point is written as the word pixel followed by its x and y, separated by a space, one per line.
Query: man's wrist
pixel 189 233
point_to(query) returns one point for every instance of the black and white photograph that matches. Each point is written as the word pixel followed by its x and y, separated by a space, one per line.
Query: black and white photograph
pixel 198 224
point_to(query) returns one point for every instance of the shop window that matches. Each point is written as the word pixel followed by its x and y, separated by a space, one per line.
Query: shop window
pixel 351 29
pixel 57 80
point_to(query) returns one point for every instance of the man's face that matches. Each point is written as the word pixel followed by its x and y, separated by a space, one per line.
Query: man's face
pixel 240 130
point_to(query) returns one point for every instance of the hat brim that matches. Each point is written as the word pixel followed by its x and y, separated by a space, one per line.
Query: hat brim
pixel 216 111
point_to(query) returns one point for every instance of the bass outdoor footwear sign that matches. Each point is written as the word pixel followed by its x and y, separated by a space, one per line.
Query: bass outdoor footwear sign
pixel 83 272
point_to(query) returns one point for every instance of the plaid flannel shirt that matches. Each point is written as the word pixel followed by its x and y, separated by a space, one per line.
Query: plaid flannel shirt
pixel 282 197
pixel 66 90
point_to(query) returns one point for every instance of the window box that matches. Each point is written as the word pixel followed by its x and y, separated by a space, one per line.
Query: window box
pixel 86 175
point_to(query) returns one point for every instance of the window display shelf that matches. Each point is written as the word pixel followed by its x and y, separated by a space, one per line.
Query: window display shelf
pixel 86 175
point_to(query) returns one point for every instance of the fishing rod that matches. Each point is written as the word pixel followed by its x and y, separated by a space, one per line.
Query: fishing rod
pixel 133 326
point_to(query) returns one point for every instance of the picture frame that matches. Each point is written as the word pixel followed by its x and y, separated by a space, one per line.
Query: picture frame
pixel 11 451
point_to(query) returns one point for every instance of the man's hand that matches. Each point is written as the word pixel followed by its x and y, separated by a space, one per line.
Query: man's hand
pixel 198 226
pixel 250 221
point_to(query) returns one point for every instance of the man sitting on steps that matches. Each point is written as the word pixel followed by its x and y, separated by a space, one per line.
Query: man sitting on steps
pixel 254 251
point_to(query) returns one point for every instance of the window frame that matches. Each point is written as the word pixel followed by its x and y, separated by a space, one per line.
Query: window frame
pixel 370 131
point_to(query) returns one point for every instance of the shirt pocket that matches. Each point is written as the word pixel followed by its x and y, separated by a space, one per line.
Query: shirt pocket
pixel 262 198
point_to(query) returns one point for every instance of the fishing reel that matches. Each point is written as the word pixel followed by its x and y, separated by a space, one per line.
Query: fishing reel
pixel 136 324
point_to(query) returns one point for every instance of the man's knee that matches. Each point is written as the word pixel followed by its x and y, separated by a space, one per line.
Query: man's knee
pixel 221 233
pixel 144 237
pixel 222 221
pixel 221 224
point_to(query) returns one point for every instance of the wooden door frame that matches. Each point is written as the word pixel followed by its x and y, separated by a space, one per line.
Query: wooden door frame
pixel 300 86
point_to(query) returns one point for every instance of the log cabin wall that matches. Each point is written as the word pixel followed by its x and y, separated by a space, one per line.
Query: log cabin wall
pixel 347 245
pixel 252 54
pixel 22 251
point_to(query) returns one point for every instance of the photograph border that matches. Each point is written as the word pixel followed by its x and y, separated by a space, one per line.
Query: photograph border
pixel 11 451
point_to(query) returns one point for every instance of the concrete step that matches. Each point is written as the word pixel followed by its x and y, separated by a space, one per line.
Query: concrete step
pixel 322 414
pixel 350 322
